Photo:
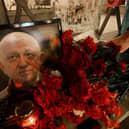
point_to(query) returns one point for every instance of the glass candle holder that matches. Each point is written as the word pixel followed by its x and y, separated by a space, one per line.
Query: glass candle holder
pixel 27 116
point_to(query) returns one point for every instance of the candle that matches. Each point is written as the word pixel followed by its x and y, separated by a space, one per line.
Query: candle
pixel 27 116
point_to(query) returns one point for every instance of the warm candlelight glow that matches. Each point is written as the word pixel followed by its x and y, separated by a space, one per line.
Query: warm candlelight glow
pixel 27 115
pixel 31 121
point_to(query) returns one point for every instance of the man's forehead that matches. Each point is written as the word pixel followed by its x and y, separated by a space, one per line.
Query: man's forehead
pixel 18 37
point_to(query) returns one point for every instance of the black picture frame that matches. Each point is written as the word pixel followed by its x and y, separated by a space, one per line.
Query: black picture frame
pixel 57 21
pixel 28 26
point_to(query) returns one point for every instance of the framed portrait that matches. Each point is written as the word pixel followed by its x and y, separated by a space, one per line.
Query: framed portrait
pixel 46 33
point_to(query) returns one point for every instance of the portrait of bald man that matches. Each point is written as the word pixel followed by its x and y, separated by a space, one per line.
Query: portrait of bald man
pixel 20 59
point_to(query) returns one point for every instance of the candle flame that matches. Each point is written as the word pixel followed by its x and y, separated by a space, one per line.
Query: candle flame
pixel 31 120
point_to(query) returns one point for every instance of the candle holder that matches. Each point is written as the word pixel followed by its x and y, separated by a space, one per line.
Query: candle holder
pixel 27 116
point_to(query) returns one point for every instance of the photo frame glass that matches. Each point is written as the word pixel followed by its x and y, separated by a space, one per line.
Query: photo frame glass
pixel 47 34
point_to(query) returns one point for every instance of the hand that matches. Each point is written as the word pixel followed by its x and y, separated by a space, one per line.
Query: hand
pixel 122 41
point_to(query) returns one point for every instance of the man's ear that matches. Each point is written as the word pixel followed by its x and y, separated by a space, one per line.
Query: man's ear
pixel 1 66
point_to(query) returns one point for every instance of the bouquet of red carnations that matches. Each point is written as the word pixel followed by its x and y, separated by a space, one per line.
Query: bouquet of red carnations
pixel 79 87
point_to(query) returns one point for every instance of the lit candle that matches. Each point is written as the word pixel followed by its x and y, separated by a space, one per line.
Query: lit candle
pixel 27 115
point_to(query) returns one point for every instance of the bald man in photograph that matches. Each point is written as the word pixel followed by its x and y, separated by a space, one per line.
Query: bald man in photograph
pixel 19 60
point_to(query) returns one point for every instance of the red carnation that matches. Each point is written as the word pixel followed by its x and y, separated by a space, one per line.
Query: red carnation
pixel 118 111
pixel 67 37
pixel 110 109
pixel 51 81
pixel 39 99
pixel 49 112
pixel 111 72
pixel 66 51
pixel 79 89
pixel 123 66
pixel 115 124
pixel 94 112
pixel 51 125
pixel 99 85
pixel 89 45
pixel 101 96
pixel 99 67
pixel 43 123
pixel 79 59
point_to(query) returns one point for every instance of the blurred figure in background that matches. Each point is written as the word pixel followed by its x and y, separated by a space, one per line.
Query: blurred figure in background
pixel 22 4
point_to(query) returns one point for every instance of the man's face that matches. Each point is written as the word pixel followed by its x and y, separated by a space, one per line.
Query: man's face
pixel 21 60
